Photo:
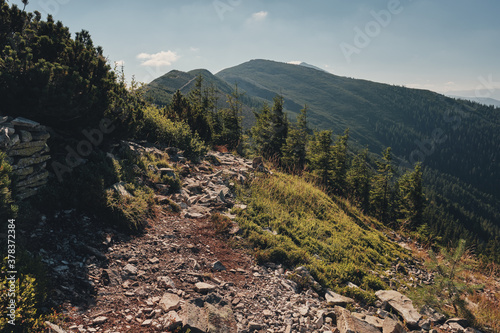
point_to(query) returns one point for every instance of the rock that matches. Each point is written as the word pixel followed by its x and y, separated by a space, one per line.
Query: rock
pixel 333 299
pixel 147 322
pixel 54 328
pixel 218 266
pixel 375 321
pixel 20 121
pixel 402 304
pixel 392 326
pixel 25 136
pixel 169 302
pixel 204 288
pixel 220 319
pixel 434 316
pixel 120 189
pixel 99 320
pixel 208 318
pixel 425 324
pixel 171 321
pixel 460 321
pixel 130 269
pixel 168 172
pixel 165 282
pixel 254 326
pixel 346 323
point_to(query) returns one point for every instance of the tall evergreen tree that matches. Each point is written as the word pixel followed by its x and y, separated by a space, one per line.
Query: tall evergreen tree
pixel 231 121
pixel 381 190
pixel 279 128
pixel 339 160
pixel 359 181
pixel 262 132
pixel 270 130
pixel 294 150
pixel 411 196
pixel 320 157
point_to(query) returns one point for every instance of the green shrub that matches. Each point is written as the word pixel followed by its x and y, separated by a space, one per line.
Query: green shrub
pixel 156 127
pixel 7 208
pixel 30 291
pixel 130 212
pixel 221 223
pixel 371 282
pixel 367 297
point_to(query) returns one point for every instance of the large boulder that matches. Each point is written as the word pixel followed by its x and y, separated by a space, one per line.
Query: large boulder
pixel 346 323
pixel 402 304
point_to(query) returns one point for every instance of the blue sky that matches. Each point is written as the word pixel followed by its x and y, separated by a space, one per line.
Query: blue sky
pixel 449 46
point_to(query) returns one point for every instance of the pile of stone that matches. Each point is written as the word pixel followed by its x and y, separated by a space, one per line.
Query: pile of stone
pixel 25 143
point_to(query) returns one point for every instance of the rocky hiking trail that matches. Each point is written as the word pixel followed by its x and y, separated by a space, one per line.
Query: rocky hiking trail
pixel 180 274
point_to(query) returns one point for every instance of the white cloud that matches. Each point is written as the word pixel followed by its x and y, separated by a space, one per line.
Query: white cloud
pixel 163 58
pixel 194 49
pixel 259 16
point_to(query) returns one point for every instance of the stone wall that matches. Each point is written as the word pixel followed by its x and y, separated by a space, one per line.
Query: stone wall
pixel 25 143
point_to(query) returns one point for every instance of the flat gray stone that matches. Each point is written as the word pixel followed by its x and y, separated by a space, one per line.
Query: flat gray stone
pixel 204 288
pixel 346 323
pixel 402 304
pixel 333 299
pixel 170 302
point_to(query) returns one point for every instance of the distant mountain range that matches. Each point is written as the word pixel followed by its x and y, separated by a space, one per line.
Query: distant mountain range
pixel 457 140
pixel 480 100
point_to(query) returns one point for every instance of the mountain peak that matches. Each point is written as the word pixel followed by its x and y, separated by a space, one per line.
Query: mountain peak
pixel 305 64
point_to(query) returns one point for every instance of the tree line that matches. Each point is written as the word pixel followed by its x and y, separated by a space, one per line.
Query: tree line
pixel 377 189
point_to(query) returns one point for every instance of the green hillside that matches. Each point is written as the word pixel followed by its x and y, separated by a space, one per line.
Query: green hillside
pixel 456 140
pixel 160 90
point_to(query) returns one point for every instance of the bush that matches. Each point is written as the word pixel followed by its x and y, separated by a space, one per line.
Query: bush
pixel 30 291
pixel 7 208
pixel 221 223
pixel 156 127
pixel 129 212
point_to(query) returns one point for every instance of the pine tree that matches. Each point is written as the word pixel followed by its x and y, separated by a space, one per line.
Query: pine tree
pixel 231 121
pixel 411 196
pixel 359 181
pixel 270 130
pixel 261 132
pixel 294 150
pixel 279 128
pixel 381 190
pixel 339 160
pixel 320 157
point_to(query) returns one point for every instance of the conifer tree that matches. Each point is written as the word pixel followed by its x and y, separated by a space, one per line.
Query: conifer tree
pixel 381 190
pixel 339 160
pixel 358 181
pixel 411 196
pixel 294 150
pixel 231 121
pixel 270 130
pixel 279 128
pixel 320 157
pixel 261 131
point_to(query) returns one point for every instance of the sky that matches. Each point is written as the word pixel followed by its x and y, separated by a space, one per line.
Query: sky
pixel 448 46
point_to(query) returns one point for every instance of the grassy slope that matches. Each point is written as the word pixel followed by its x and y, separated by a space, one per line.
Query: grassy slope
pixel 465 161
pixel 306 227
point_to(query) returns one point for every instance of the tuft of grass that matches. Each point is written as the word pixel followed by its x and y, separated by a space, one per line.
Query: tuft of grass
pixel 222 224
pixel 291 221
